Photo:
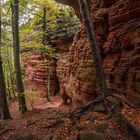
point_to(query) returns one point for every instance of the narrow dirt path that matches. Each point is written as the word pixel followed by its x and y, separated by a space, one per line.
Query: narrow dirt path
pixel 36 104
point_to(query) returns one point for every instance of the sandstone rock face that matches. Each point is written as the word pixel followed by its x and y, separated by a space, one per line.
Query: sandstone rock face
pixel 122 49
pixel 62 63
pixel 60 39
pixel 36 74
pixel 118 35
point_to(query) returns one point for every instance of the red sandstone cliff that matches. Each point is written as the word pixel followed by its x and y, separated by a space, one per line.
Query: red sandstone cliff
pixel 35 65
pixel 36 74
pixel 117 25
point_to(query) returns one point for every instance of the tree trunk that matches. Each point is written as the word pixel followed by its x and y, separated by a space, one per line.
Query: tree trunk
pixel 12 19
pixel 8 87
pixel 44 25
pixel 95 49
pixel 48 80
pixel 16 43
pixel 48 55
pixel 11 74
pixel 4 111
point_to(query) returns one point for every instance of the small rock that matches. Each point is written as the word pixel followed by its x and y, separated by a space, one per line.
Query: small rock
pixel 89 116
pixel 52 136
pixel 77 103
pixel 113 100
pixel 91 136
pixel 26 136
pixel 100 128
pixel 73 138
pixel 99 107
pixel 79 127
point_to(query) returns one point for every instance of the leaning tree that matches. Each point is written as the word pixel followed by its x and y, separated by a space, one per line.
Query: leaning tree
pixel 101 82
pixel 104 93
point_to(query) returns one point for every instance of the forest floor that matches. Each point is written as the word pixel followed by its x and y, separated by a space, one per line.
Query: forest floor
pixel 36 104
pixel 45 119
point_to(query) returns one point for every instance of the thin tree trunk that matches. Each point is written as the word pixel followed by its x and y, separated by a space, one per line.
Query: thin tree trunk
pixel 19 82
pixel 8 87
pixel 5 114
pixel 48 57
pixel 11 77
pixel 95 49
pixel 48 80
pixel 4 111
pixel 12 19
pixel 44 25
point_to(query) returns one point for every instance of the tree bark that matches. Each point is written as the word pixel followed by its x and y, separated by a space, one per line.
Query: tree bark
pixel 11 75
pixel 44 25
pixel 101 82
pixel 16 43
pixel 48 55
pixel 4 111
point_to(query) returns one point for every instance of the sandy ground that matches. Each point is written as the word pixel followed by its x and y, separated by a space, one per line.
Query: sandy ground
pixel 36 103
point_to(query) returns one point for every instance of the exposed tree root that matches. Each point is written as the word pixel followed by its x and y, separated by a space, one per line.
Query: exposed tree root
pixel 109 106
pixel 131 127
pixel 31 123
pixel 123 100
pixel 114 108
pixel 54 124
pixel 5 131
pixel 76 113
pixel 28 123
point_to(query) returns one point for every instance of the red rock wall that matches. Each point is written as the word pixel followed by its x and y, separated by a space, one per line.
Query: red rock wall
pixel 117 25
pixel 60 39
pixel 36 75
pixel 62 63
pixel 122 49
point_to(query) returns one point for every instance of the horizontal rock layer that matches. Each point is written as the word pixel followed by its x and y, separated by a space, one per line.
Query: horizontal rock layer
pixel 35 66
pixel 36 74
pixel 118 35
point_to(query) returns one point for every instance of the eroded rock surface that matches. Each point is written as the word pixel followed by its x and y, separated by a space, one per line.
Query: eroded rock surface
pixel 117 31
pixel 122 49
pixel 36 74
pixel 35 66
